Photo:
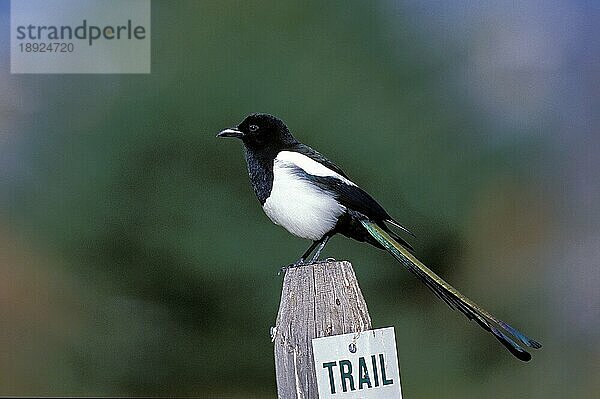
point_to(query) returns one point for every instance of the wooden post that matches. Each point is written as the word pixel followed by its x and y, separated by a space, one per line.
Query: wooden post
pixel 317 300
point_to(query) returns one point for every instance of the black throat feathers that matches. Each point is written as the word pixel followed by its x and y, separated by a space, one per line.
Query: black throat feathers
pixel 260 170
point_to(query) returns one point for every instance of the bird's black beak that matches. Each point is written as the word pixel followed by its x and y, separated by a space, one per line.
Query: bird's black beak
pixel 231 132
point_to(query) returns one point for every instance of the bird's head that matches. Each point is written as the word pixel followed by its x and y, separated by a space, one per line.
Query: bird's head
pixel 258 131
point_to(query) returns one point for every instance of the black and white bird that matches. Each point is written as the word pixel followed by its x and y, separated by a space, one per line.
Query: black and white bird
pixel 312 198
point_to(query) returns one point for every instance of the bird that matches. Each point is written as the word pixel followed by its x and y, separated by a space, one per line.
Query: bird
pixel 312 198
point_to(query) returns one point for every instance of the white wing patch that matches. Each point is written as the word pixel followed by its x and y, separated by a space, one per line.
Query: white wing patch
pixel 309 165
pixel 296 204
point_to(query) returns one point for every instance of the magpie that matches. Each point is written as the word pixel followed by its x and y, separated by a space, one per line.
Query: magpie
pixel 312 198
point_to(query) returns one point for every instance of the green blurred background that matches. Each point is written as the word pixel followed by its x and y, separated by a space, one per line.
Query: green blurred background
pixel 135 259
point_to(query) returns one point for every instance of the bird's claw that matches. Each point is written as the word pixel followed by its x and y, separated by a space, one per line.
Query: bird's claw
pixel 298 263
pixel 319 261
pixel 302 262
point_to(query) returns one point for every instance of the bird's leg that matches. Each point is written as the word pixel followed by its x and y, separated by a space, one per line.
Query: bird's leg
pixel 312 247
pixel 300 261
pixel 322 242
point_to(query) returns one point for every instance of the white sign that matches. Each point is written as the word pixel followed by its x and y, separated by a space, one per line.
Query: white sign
pixel 360 365
pixel 80 36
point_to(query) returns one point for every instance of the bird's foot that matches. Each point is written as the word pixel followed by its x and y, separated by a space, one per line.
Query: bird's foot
pixel 316 261
pixel 298 263
pixel 319 261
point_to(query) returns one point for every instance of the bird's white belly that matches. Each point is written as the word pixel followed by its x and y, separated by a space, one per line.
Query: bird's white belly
pixel 301 207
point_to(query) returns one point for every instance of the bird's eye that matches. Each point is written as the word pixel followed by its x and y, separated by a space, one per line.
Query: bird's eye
pixel 253 128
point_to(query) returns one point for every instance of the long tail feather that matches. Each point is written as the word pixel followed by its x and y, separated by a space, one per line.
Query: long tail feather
pixel 509 336
pixel 398 225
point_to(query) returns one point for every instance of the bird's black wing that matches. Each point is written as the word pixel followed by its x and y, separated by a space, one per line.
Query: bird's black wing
pixel 357 199
pixel 353 198
pixel 317 156
pixel 350 196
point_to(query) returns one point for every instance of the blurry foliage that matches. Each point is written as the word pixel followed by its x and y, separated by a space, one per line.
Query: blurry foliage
pixel 168 265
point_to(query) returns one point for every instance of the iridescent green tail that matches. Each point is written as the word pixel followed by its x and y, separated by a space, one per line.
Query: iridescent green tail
pixel 501 330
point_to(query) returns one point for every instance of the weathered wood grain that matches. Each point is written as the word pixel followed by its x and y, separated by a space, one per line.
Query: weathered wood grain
pixel 317 300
